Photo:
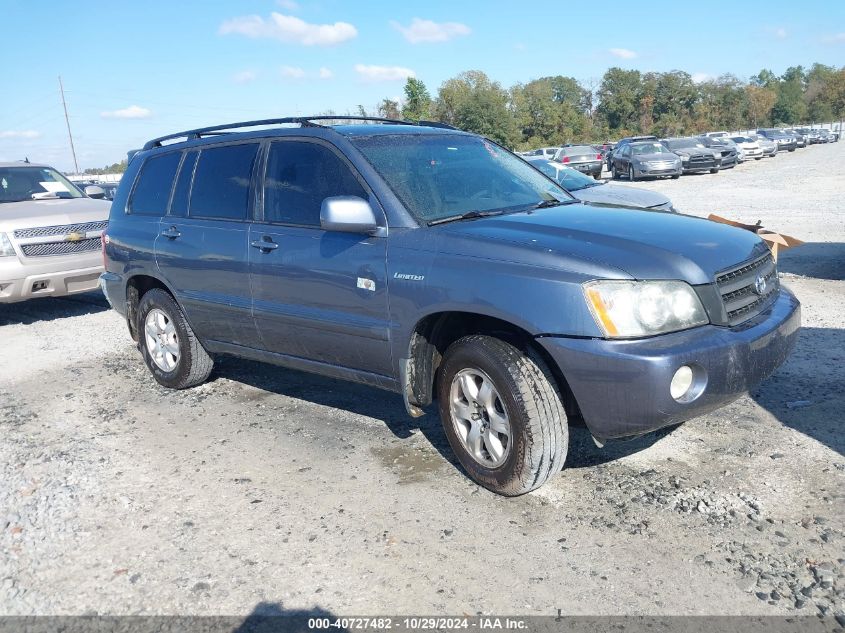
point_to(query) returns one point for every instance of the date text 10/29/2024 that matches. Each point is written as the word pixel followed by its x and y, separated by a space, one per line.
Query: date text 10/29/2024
pixel 480 623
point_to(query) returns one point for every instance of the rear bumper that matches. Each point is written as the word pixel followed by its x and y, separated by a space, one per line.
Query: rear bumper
pixel 48 277
pixel 622 387
pixel 114 290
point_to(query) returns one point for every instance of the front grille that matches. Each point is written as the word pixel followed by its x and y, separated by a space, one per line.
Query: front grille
pixel 61 248
pixel 660 164
pixel 739 288
pixel 701 160
pixel 42 231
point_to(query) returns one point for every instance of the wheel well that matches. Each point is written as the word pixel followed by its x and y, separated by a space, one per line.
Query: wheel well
pixel 433 335
pixel 136 288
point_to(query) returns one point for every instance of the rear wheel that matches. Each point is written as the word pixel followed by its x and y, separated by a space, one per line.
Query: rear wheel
pixel 675 176
pixel 502 414
pixel 170 349
pixel 613 173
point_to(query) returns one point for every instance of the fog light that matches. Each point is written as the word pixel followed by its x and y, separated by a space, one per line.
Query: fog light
pixel 681 382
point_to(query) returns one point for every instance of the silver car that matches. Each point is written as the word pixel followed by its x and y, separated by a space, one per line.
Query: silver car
pixel 767 146
pixel 604 193
pixel 49 234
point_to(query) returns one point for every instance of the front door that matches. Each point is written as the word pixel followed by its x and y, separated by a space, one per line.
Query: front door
pixel 317 294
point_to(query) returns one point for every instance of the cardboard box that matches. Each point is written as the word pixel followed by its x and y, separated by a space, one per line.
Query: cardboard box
pixel 777 241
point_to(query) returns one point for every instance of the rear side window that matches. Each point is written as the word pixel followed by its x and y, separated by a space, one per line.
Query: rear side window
pixel 221 182
pixel 179 205
pixel 152 191
pixel 299 177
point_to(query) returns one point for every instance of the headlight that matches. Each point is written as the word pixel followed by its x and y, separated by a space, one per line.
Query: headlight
pixel 6 249
pixel 684 158
pixel 643 308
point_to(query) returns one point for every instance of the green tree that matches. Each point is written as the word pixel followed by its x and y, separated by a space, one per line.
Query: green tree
pixel 417 100
pixel 551 110
pixel 472 102
pixel 389 109
pixel 760 102
pixel 619 97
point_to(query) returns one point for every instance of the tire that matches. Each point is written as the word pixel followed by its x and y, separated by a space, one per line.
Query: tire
pixel 631 173
pixel 715 170
pixel 597 175
pixel 192 365
pixel 791 150
pixel 613 173
pixel 524 394
pixel 675 176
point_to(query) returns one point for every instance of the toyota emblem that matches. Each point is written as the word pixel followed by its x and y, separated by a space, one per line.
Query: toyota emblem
pixel 760 285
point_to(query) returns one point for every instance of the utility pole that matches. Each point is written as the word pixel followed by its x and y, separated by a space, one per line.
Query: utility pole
pixel 67 120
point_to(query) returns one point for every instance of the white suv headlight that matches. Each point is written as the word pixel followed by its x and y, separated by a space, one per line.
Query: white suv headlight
pixel 642 308
pixel 6 249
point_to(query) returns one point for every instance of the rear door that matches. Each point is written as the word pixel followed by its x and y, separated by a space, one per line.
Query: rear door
pixel 202 246
pixel 317 294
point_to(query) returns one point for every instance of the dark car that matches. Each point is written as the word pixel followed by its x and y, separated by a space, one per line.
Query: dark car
pixel 695 157
pixel 438 265
pixel 643 159
pixel 728 153
pixel 623 142
pixel 783 141
pixel 584 158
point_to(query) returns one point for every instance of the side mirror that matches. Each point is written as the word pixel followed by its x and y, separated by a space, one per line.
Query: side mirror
pixel 93 191
pixel 348 214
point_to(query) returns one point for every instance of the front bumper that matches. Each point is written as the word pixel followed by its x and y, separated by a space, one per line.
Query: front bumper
pixel 642 170
pixel 48 276
pixel 622 387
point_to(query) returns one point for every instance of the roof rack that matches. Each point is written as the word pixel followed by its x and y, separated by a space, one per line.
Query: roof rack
pixel 304 121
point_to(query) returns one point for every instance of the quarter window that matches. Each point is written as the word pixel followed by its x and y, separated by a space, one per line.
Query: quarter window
pixel 221 182
pixel 152 191
pixel 179 205
pixel 299 177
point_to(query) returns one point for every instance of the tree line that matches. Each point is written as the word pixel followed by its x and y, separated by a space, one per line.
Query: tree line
pixel 555 110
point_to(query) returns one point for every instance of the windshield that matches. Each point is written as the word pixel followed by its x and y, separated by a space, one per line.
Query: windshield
pixel 570 179
pixel 648 148
pixel 682 143
pixel 442 175
pixel 34 183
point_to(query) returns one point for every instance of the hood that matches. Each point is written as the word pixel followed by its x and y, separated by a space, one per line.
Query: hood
pixel 613 194
pixel 32 213
pixel 616 243
pixel 650 157
pixel 696 151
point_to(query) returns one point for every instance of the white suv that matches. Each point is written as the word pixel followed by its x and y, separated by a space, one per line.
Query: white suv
pixel 49 234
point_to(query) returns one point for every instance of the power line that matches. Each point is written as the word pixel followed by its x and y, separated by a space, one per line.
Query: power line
pixel 67 120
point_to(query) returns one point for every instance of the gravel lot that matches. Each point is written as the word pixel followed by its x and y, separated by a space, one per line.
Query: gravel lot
pixel 271 486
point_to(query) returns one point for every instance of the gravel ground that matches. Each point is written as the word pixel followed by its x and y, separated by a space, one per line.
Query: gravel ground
pixel 268 486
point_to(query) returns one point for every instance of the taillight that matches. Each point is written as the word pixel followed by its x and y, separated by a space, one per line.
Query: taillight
pixel 565 159
pixel 104 239
pixel 598 156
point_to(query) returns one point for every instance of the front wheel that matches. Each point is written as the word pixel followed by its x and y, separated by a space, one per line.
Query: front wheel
pixel 675 176
pixel 170 349
pixel 631 173
pixel 715 170
pixel 613 173
pixel 502 414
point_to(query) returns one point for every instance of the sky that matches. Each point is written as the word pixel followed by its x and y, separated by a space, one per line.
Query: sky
pixel 136 70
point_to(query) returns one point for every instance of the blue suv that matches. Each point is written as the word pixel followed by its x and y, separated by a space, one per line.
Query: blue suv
pixel 438 265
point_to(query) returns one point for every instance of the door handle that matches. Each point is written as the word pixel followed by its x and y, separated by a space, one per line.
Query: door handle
pixel 265 245
pixel 171 233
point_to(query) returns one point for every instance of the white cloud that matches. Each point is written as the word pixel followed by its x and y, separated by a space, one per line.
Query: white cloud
pixel 701 77
pixel 132 112
pixel 325 73
pixel 420 31
pixel 292 72
pixel 19 134
pixel 383 73
pixel 288 5
pixel 622 53
pixel 289 29
pixel 780 33
pixel 244 76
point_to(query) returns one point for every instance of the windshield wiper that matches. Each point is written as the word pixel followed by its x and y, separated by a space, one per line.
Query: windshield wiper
pixel 545 204
pixel 469 215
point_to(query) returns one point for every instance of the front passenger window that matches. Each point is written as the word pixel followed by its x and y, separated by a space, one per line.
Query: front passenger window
pixel 299 177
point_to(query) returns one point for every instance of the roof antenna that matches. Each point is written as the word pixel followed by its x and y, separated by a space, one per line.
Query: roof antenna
pixel 26 160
